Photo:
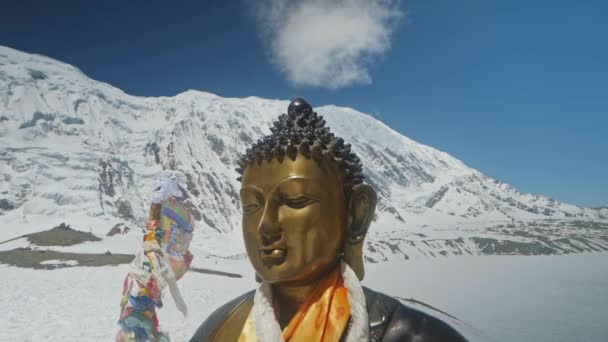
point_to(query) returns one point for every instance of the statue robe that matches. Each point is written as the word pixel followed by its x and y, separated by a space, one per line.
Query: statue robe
pixel 389 321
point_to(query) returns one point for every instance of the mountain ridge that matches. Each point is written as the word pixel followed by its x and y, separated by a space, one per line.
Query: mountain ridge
pixel 58 125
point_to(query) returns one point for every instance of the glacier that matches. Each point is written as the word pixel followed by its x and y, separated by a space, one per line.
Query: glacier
pixel 80 151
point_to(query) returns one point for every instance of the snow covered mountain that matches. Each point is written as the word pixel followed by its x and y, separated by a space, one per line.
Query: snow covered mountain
pixel 83 152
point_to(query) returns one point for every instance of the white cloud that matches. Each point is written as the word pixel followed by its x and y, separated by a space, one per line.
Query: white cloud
pixel 326 43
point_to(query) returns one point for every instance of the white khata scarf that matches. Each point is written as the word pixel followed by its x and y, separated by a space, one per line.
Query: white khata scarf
pixel 267 328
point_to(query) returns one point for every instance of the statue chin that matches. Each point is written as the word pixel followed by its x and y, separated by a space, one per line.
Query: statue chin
pixel 305 208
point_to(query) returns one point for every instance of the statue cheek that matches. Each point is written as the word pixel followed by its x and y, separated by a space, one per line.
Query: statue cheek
pixel 301 219
pixel 251 244
pixel 250 236
pixel 249 228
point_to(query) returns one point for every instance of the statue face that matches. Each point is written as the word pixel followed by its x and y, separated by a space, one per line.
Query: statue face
pixel 294 217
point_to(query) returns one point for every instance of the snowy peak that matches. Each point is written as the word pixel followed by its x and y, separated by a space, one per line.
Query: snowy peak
pixel 76 149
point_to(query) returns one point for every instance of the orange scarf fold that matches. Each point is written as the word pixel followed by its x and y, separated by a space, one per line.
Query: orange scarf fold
pixel 322 317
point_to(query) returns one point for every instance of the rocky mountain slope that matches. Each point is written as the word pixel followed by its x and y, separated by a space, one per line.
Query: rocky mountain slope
pixel 83 152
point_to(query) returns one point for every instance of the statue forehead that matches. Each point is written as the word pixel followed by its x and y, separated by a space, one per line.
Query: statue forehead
pixel 268 174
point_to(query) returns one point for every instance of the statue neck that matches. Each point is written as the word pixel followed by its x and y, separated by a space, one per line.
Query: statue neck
pixel 289 298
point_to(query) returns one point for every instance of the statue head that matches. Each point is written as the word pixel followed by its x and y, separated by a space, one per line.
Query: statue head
pixel 304 202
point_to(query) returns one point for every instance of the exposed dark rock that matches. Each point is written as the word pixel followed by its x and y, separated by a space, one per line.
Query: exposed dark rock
pixel 77 103
pixel 106 177
pixel 226 160
pixel 415 169
pixel 210 223
pixel 436 197
pixel 220 273
pixel 37 74
pixel 234 124
pixel 217 145
pixel 212 182
pixel 588 244
pixel 191 186
pixel 71 120
pixel 115 230
pixel 119 228
pixel 565 241
pixel 152 148
pixel 231 192
pixel 369 259
pixel 62 235
pixel 371 248
pixel 394 247
pixel 124 209
pixel 37 116
pixel 494 246
pixel 185 194
pixel 589 224
pixel 171 162
pixel 28 258
pixel 101 95
pixel 394 211
pixel 471 212
pixel 192 209
pixel 6 205
pixel 245 138
pixel 523 233
pixel 548 212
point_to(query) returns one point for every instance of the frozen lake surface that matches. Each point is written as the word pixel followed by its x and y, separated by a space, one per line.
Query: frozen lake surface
pixel 510 298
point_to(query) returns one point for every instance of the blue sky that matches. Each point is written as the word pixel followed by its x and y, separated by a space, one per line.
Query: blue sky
pixel 516 89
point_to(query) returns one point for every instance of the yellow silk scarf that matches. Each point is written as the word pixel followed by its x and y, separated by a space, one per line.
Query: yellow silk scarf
pixel 322 318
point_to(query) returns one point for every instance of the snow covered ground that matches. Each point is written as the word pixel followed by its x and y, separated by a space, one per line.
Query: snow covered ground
pixel 510 298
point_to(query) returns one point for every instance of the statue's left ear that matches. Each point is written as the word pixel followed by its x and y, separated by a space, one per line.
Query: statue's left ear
pixel 361 208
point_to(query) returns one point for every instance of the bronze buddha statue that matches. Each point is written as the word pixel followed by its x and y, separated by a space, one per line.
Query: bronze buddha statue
pixel 306 212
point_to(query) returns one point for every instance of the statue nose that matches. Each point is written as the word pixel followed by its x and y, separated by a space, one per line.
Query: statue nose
pixel 270 229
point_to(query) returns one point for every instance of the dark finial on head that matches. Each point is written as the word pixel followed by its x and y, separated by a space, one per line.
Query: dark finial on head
pixel 299 106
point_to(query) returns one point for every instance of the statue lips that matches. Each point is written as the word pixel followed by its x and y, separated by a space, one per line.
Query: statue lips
pixel 274 254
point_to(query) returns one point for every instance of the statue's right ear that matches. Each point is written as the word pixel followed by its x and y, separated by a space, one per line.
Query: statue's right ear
pixel 361 208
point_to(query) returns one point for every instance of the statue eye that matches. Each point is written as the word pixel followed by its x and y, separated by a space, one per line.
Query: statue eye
pixel 249 209
pixel 299 202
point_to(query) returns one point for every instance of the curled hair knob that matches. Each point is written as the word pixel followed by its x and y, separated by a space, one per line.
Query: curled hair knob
pixel 299 106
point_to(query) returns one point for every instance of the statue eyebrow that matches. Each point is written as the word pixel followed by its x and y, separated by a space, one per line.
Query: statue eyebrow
pixel 252 188
pixel 299 179
pixel 260 193
pixel 289 178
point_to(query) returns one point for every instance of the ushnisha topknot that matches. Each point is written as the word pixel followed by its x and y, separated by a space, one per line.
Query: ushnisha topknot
pixel 302 130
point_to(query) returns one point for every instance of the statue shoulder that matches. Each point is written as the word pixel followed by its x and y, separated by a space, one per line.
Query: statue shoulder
pixel 393 320
pixel 235 310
